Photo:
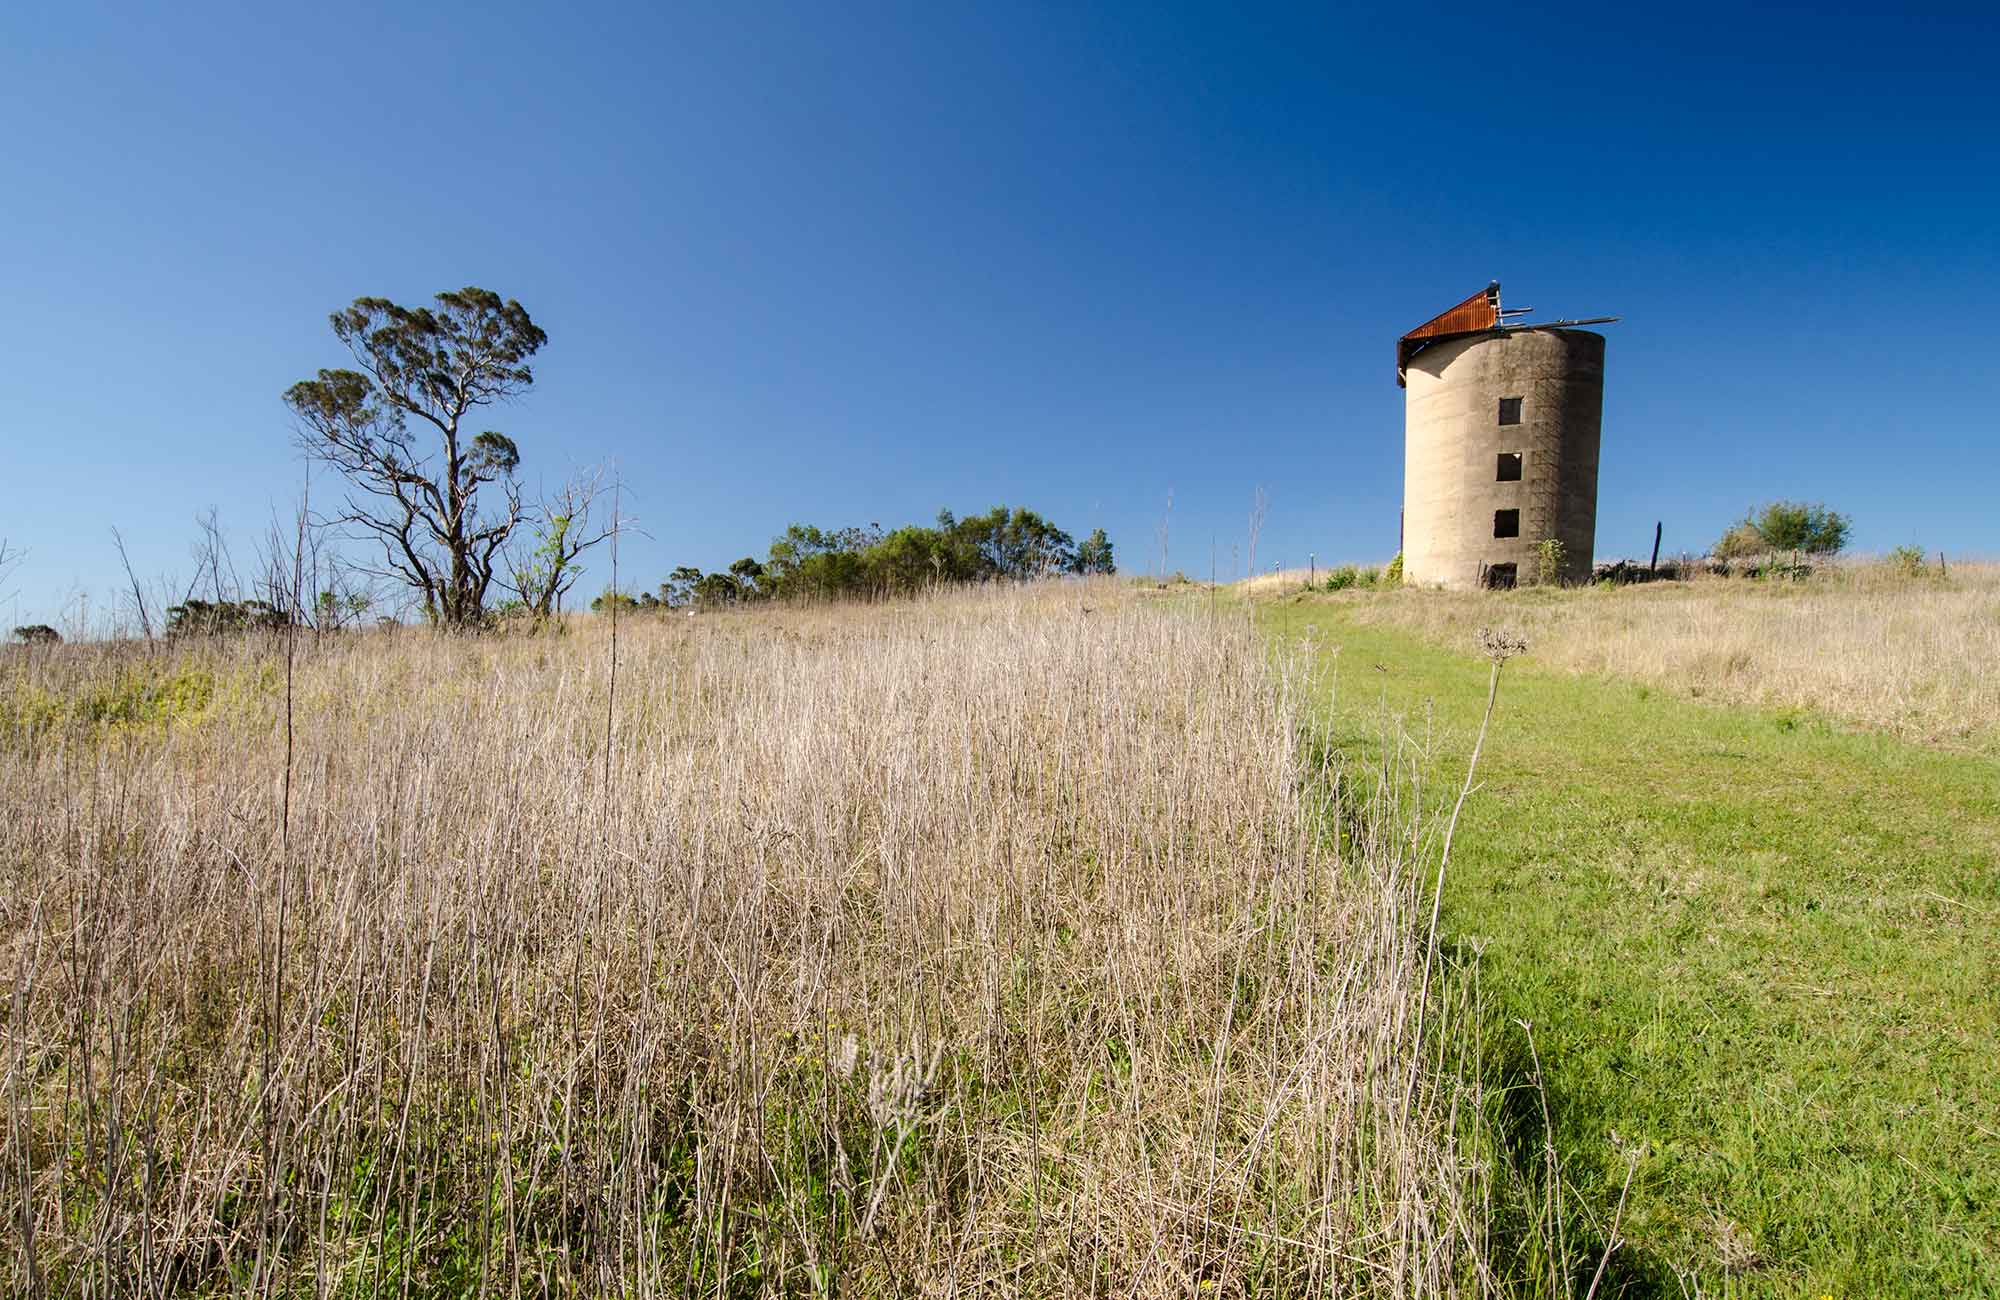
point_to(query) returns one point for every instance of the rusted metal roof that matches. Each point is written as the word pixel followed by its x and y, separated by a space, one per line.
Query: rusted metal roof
pixel 1475 315
pixel 1479 314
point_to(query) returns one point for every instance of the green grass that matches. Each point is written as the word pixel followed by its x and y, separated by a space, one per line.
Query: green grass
pixel 1762 944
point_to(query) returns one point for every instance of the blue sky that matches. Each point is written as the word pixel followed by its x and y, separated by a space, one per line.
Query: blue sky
pixel 853 263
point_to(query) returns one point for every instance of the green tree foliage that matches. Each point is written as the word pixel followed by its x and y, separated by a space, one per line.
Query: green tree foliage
pixel 417 491
pixel 678 589
pixel 717 589
pixel 1094 555
pixel 1794 526
pixel 37 634
pixel 1018 544
pixel 1741 540
pixel 1786 526
pixel 570 522
pixel 806 562
pixel 223 617
pixel 747 573
pixel 913 558
pixel 332 609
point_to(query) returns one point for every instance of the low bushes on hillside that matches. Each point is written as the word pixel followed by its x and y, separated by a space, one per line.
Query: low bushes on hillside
pixel 810 563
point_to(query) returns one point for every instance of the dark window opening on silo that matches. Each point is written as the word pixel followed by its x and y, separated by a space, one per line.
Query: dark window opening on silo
pixel 1506 523
pixel 1510 467
pixel 1500 577
pixel 1510 410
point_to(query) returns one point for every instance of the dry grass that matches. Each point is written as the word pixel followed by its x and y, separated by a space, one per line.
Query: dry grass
pixel 1916 657
pixel 1281 583
pixel 992 945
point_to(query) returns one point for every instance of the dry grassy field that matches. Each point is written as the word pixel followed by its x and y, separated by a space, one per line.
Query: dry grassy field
pixel 1016 943
pixel 1917 657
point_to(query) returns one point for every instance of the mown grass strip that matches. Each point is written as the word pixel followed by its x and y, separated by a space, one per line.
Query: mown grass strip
pixel 1759 943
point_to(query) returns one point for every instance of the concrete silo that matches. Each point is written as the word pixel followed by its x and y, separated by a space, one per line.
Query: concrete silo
pixel 1500 438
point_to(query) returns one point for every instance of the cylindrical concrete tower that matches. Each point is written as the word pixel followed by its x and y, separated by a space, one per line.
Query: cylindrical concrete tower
pixel 1501 431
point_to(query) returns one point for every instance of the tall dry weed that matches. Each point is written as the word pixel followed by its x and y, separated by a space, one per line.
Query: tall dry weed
pixel 1000 944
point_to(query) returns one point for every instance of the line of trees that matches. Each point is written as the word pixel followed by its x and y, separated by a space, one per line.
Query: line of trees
pixel 810 563
pixel 448 516
pixel 437 508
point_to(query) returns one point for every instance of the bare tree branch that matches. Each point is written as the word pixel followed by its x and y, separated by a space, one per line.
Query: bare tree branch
pixel 10 560
pixel 568 522
pixel 138 595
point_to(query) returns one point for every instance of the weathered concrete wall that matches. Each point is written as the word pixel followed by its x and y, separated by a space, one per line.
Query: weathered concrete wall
pixel 1453 440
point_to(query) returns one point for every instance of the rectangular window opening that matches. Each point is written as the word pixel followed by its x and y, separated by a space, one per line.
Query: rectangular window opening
pixel 1506 523
pixel 1500 577
pixel 1510 467
pixel 1510 410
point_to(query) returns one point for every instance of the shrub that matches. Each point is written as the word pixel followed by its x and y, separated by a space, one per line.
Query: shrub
pixel 1906 561
pixel 37 634
pixel 613 599
pixel 142 696
pixel 1739 542
pixel 1794 526
pixel 1342 578
pixel 138 694
pixel 224 618
pixel 1549 555
pixel 1393 575
pixel 1786 526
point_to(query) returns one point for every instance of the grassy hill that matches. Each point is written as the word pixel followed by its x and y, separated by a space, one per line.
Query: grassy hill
pixel 1050 940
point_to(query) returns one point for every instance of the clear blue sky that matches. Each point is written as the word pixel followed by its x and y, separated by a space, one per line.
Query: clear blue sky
pixel 849 263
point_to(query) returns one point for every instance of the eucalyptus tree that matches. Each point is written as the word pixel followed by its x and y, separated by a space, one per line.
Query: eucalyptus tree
pixel 396 427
